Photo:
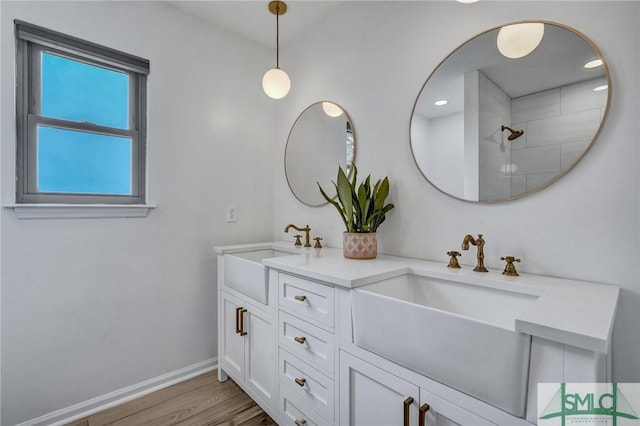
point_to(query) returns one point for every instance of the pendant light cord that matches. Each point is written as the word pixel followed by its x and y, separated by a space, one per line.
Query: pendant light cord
pixel 278 36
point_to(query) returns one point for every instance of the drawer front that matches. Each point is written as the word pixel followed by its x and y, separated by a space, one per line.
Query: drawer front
pixel 307 384
pixel 293 412
pixel 311 344
pixel 306 298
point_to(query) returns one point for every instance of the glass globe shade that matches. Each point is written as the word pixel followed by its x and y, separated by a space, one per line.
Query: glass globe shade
pixel 331 109
pixel 518 40
pixel 276 83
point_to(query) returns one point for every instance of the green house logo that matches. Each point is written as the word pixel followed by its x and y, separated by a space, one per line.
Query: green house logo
pixel 588 404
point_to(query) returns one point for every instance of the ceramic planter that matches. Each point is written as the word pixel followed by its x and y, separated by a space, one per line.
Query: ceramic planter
pixel 357 245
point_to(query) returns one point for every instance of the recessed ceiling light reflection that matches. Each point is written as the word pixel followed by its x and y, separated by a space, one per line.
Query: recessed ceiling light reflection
pixel 593 64
pixel 601 88
pixel 467 1
pixel 441 102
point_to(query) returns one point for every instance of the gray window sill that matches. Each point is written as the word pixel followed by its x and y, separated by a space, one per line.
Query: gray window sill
pixel 79 211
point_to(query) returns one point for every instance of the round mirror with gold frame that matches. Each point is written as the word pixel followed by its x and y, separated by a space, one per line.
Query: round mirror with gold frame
pixel 495 124
pixel 321 139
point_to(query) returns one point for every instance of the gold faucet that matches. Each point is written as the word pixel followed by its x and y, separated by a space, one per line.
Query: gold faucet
pixel 306 230
pixel 480 244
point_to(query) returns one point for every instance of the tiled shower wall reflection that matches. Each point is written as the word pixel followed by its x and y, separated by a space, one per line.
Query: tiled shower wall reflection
pixel 559 124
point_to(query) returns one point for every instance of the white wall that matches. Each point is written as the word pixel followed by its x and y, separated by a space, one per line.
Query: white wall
pixel 584 226
pixel 92 306
pixel 1 127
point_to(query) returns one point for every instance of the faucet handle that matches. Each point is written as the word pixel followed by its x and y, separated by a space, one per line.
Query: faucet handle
pixel 298 243
pixel 510 268
pixel 453 262
pixel 317 245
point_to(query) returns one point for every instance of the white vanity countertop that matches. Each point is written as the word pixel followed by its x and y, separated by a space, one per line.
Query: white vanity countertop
pixel 576 313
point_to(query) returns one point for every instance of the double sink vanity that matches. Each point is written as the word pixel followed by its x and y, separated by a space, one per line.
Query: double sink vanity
pixel 317 339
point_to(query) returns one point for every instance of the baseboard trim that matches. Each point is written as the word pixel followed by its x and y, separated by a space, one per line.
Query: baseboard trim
pixel 94 405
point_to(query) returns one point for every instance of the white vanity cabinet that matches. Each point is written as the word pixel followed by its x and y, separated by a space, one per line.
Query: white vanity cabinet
pixel 247 351
pixel 302 363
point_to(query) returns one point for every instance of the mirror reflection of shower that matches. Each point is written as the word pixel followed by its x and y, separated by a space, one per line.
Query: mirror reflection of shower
pixel 515 134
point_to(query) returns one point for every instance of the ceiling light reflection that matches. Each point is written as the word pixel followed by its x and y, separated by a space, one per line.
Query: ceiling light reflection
pixel 518 40
pixel 593 64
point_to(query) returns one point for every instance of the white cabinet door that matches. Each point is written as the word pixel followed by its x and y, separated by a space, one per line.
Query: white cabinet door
pixel 260 354
pixel 249 347
pixel 370 396
pixel 232 350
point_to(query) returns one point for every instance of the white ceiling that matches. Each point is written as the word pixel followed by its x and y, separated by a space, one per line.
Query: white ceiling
pixel 252 20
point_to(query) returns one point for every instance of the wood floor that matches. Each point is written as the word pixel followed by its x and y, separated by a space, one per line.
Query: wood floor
pixel 196 402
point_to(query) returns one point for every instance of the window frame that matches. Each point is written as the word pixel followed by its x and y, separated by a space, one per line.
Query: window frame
pixel 31 42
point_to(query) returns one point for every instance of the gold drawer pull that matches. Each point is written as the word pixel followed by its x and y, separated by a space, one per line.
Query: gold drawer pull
pixel 238 320
pixel 300 298
pixel 407 404
pixel 242 312
pixel 300 382
pixel 300 422
pixel 300 340
pixel 422 415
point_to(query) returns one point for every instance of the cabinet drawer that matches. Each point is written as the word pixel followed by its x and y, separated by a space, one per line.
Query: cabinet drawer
pixel 306 298
pixel 293 412
pixel 311 344
pixel 307 384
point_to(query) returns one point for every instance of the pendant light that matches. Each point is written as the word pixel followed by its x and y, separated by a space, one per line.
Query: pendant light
pixel 276 83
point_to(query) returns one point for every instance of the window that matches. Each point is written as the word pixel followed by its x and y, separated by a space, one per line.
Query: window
pixel 81 117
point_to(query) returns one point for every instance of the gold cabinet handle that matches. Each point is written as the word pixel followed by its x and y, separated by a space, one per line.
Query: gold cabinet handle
pixel 301 298
pixel 422 414
pixel 241 329
pixel 238 320
pixel 407 404
pixel 300 340
pixel 300 382
pixel 300 422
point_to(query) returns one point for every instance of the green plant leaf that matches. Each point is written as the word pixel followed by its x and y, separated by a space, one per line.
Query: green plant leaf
pixel 361 208
pixel 362 203
pixel 380 216
pixel 380 193
pixel 345 194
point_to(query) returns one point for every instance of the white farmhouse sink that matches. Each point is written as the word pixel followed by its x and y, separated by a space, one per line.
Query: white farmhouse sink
pixel 244 272
pixel 462 335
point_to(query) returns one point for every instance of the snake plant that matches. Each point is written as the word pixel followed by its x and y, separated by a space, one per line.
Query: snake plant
pixel 362 209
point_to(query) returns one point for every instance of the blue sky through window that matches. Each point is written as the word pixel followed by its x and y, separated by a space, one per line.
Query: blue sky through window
pixel 81 162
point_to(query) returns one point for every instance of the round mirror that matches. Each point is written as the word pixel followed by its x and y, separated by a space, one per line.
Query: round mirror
pixel 510 111
pixel 320 140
